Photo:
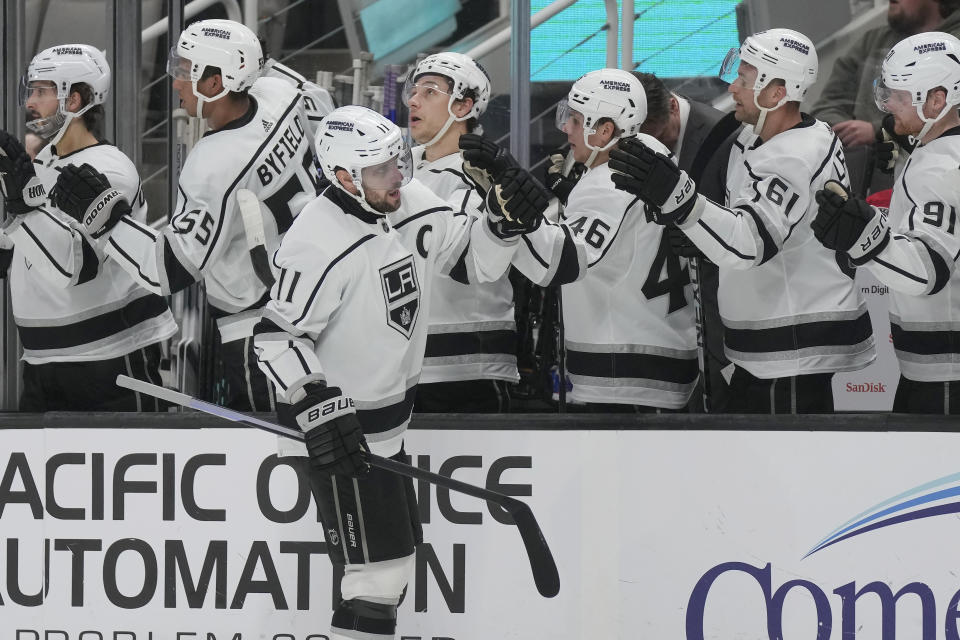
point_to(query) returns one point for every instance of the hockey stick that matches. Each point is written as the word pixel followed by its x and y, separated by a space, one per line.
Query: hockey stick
pixel 694 264
pixel 545 574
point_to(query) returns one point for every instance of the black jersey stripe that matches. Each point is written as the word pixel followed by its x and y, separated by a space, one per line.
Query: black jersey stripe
pixel 389 417
pixel 769 248
pixel 129 258
pixel 632 365
pixel 333 263
pixel 440 345
pixel 926 343
pixel 722 243
pixel 90 263
pixel 568 267
pixel 533 251
pixel 826 160
pixel 92 329
pixel 42 248
pixel 420 215
pixel 805 335
pixel 896 269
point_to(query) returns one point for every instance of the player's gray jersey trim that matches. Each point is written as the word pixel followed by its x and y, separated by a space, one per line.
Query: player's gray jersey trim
pixel 683 354
pixel 802 318
pixel 491 325
pixel 135 294
pixel 644 383
pixel 472 358
pixel 364 405
pixel 933 358
pixel 831 350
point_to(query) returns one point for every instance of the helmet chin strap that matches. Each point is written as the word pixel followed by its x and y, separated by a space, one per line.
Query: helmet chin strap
pixel 68 117
pixel 758 128
pixel 595 150
pixel 361 199
pixel 202 98
pixel 446 125
pixel 928 122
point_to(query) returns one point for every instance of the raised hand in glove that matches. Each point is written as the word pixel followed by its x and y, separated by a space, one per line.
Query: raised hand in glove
pixel 85 194
pixel 483 160
pixel 516 203
pixel 845 223
pixel 638 169
pixel 22 190
pixel 890 145
pixel 334 437
pixel 561 185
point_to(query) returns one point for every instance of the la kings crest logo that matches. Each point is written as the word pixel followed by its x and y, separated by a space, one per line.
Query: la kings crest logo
pixel 401 292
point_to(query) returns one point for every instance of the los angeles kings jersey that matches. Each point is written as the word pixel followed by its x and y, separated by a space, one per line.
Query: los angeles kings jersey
pixel 268 151
pixel 787 306
pixel 351 304
pixel 628 316
pixel 919 262
pixel 69 305
pixel 472 332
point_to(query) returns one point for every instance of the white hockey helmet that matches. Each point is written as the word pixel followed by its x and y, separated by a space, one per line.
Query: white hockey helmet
pixel 605 93
pixel 915 66
pixel 465 74
pixel 230 46
pixel 777 54
pixel 368 146
pixel 65 65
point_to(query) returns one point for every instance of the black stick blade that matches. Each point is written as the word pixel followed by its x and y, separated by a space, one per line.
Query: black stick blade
pixel 542 564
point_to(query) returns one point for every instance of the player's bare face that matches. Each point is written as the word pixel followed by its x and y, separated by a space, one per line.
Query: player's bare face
pixel 381 186
pixel 741 89
pixel 41 100
pixel 428 107
pixel 188 101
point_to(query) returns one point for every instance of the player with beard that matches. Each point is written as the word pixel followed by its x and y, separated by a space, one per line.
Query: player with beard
pixel 80 323
pixel 343 339
pixel 792 316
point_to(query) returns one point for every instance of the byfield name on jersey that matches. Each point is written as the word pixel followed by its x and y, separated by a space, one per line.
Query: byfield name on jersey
pixel 276 160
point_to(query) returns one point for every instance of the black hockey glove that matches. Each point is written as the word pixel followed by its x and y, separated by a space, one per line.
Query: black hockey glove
pixel 85 194
pixel 334 437
pixel 890 145
pixel 638 169
pixel 849 224
pixel 483 160
pixel 22 190
pixel 561 185
pixel 516 203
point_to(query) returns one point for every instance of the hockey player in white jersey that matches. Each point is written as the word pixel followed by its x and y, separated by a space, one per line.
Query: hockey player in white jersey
pixel 343 338
pixel 914 248
pixel 628 321
pixel 258 141
pixel 471 351
pixel 80 323
pixel 792 316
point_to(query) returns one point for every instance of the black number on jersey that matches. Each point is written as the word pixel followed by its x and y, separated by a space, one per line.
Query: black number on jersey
pixel 933 214
pixel 186 223
pixel 777 191
pixel 279 202
pixel 674 281
pixel 596 234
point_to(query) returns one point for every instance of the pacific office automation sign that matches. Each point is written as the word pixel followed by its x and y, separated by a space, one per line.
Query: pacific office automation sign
pixel 205 534
pixel 836 536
